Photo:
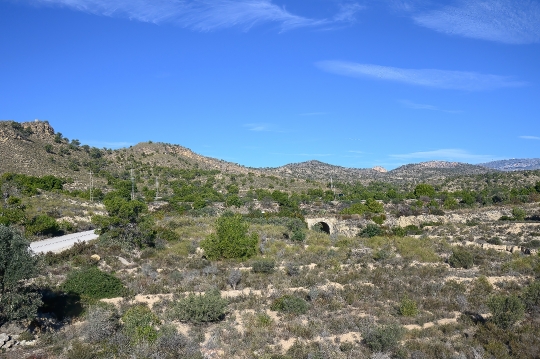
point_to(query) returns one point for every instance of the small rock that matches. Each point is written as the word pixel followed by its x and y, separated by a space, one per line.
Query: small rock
pixel 95 257
pixel 3 338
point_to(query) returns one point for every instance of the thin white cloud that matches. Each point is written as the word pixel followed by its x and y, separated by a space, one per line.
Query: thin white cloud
pixel 530 137
pixel 445 155
pixel 444 79
pixel 348 12
pixel 419 106
pixel 204 15
pixel 506 21
pixel 258 127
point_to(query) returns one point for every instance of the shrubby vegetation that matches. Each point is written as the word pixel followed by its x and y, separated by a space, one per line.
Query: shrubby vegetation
pixel 18 299
pixel 92 284
pixel 231 239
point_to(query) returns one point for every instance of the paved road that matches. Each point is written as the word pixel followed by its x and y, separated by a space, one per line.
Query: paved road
pixel 59 244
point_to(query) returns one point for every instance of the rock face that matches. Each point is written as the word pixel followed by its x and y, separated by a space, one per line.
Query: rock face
pixel 380 169
pixel 40 129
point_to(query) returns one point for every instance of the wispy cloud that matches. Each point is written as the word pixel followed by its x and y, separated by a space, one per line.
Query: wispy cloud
pixel 348 12
pixel 444 79
pixel 258 127
pixel 419 106
pixel 506 21
pixel 204 15
pixel 530 137
pixel 445 155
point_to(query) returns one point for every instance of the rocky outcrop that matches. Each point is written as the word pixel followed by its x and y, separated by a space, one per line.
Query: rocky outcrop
pixel 40 129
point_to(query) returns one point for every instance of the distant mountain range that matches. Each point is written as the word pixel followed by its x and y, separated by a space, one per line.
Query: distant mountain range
pixel 35 148
pixel 433 170
pixel 523 164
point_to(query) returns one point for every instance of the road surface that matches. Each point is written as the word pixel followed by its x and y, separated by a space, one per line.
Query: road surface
pixel 59 244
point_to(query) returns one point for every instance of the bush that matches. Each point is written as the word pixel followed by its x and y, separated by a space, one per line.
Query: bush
pixel 206 308
pixel 506 310
pixel 92 283
pixel 101 323
pixel 495 241
pixel 290 304
pixel 263 266
pixel 531 296
pixel 408 308
pixel 139 324
pixel 235 276
pixel 231 239
pixel 461 258
pixel 371 230
pixel 519 214
pixel 424 189
pixel 384 338
pixel 42 224
pixel 17 265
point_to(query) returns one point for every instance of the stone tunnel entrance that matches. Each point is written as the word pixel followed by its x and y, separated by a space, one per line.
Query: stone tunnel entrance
pixel 322 226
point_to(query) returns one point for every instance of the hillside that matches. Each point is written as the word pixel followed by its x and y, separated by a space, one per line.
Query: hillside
pixel 524 164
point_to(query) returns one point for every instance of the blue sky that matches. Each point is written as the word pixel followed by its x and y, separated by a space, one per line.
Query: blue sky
pixel 269 82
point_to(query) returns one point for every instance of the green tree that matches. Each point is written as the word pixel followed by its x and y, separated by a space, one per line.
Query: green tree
pixel 42 224
pixel 231 239
pixel 506 310
pixel 461 258
pixel 424 189
pixel 17 265
pixel 450 202
pixel 519 214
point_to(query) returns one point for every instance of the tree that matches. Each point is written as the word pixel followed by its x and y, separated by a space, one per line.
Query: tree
pixel 17 265
pixel 519 213
pixel 506 310
pixel 424 189
pixel 231 239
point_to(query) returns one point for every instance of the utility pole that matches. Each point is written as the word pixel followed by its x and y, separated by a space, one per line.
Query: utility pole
pixel 132 186
pixel 91 187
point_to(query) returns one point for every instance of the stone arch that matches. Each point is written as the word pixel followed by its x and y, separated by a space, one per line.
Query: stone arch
pixel 325 227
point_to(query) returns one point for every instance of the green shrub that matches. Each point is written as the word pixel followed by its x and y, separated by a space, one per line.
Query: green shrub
pixel 495 241
pixel 201 308
pixel 290 304
pixel 424 189
pixel 384 338
pixel 17 267
pixel 42 224
pixel 371 230
pixel 461 258
pixel 139 324
pixel 408 308
pixel 519 214
pixel 92 283
pixel 379 219
pixel 531 296
pixel 263 266
pixel 506 310
pixel 231 239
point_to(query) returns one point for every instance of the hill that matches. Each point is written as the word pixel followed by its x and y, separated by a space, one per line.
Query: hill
pixel 524 164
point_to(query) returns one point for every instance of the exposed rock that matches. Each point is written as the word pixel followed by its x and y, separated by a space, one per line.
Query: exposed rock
pixel 95 257
pixel 380 169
